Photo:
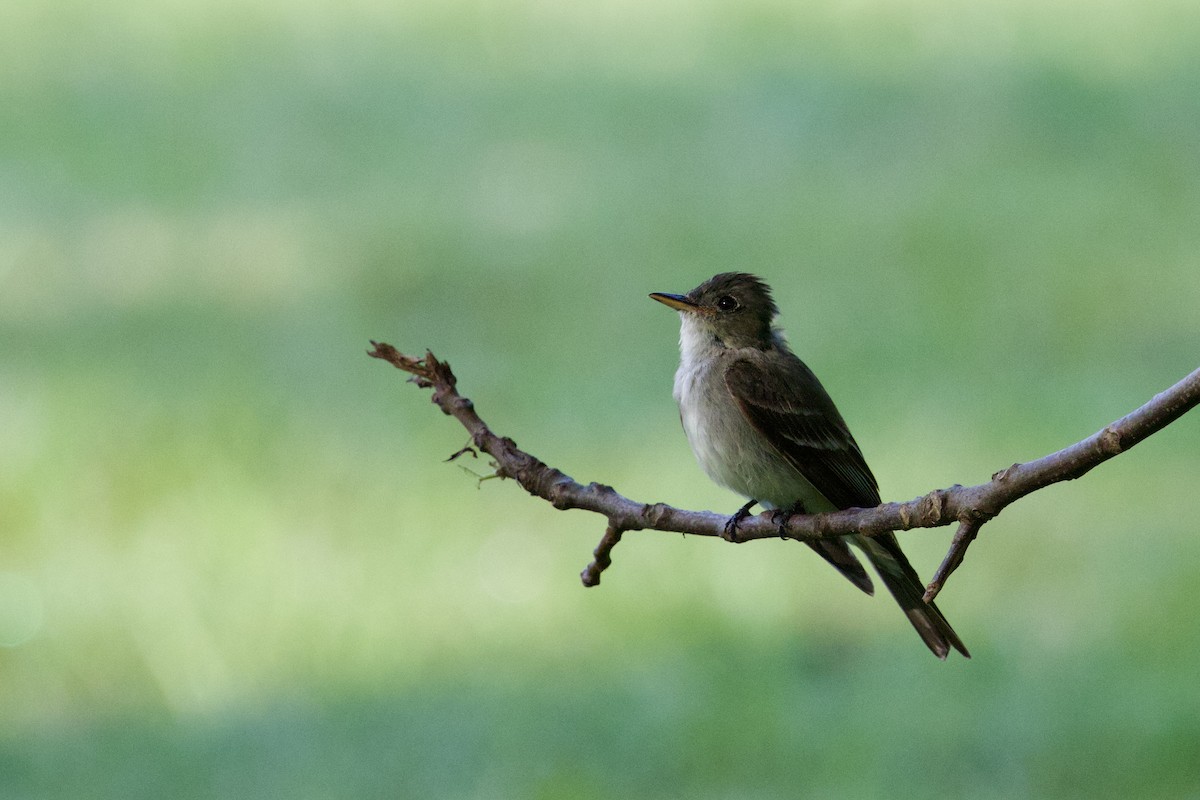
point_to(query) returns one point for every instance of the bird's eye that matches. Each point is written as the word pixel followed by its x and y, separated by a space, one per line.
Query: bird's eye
pixel 727 303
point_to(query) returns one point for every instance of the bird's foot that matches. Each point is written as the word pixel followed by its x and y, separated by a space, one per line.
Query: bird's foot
pixel 780 516
pixel 730 534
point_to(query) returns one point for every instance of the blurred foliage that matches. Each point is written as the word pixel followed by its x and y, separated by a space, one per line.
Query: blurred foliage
pixel 232 563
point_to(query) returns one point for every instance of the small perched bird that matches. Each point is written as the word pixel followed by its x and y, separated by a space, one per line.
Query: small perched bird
pixel 761 424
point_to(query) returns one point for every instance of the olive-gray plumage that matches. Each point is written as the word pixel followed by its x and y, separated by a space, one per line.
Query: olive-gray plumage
pixel 761 424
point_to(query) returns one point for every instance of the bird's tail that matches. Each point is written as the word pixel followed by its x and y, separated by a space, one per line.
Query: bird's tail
pixel 838 553
pixel 905 585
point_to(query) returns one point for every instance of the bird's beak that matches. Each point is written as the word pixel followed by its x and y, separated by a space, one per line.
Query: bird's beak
pixel 675 301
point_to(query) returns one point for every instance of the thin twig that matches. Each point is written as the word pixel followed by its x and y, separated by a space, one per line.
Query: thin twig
pixel 968 529
pixel 602 557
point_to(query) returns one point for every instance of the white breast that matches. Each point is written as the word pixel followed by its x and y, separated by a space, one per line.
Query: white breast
pixel 730 450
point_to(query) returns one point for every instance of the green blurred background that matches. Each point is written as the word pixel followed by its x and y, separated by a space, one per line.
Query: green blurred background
pixel 234 565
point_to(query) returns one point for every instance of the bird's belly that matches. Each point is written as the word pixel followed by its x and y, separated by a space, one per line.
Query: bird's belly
pixel 733 453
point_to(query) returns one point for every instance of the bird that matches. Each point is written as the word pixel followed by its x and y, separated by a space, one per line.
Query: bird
pixel 761 424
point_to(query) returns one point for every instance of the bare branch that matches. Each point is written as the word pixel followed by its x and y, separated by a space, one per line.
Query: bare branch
pixel 968 529
pixel 970 506
pixel 603 557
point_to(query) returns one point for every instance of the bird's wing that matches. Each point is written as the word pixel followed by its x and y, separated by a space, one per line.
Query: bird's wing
pixel 792 410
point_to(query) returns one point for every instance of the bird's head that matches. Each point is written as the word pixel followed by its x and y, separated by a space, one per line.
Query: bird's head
pixel 734 307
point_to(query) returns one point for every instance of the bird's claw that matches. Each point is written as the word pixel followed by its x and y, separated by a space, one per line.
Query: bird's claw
pixel 730 534
pixel 780 517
